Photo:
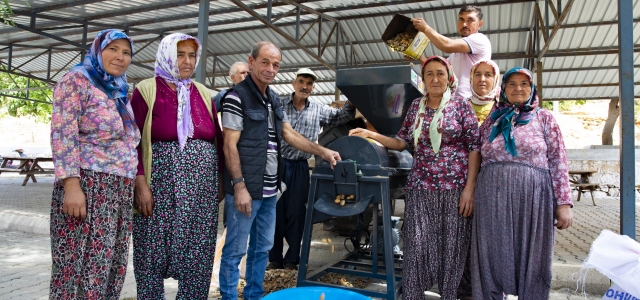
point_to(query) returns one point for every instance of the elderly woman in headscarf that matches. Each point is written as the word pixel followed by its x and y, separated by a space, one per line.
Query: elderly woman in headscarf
pixel 442 132
pixel 485 88
pixel 93 142
pixel 179 172
pixel 485 91
pixel 522 187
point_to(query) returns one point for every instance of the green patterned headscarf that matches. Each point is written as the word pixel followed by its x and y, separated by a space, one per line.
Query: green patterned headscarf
pixel 435 128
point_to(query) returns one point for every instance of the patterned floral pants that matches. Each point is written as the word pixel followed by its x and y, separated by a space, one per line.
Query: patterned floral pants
pixel 436 243
pixel 179 239
pixel 90 256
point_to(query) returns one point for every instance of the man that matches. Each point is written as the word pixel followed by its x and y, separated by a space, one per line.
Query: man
pixel 237 73
pixel 252 158
pixel 465 52
pixel 306 118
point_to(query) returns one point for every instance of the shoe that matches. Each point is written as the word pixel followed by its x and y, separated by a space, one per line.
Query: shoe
pixel 274 266
pixel 290 266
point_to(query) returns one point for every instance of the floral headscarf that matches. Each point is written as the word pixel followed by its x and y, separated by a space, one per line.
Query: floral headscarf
pixel 167 68
pixel 114 87
pixel 494 93
pixel 507 115
pixel 435 128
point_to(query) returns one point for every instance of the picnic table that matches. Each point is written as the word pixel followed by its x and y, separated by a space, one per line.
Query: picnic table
pixel 579 179
pixel 29 166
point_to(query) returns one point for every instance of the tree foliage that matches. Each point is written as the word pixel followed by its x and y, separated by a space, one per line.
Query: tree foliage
pixel 19 107
pixel 564 105
pixel 6 13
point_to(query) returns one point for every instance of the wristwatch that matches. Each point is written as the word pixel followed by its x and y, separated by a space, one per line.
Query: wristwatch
pixel 234 181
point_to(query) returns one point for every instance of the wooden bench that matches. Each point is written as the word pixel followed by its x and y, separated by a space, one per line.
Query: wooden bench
pixel 580 181
pixel 29 166
pixel 586 187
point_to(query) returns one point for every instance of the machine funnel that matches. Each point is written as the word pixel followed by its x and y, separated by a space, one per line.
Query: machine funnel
pixel 382 94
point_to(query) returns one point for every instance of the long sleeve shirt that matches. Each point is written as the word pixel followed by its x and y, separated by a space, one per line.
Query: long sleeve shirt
pixel 310 119
pixel 539 144
pixel 165 115
pixel 87 131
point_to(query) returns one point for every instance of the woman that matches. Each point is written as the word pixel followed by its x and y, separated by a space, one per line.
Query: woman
pixel 443 133
pixel 179 167
pixel 523 183
pixel 93 140
pixel 485 88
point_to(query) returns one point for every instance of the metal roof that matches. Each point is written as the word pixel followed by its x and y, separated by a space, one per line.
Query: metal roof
pixel 579 63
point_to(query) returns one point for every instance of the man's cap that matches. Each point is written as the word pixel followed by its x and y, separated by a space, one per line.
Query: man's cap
pixel 306 71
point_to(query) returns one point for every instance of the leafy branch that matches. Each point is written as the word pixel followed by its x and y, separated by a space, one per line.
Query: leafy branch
pixel 6 14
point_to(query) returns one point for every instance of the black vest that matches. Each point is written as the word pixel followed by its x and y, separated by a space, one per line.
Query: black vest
pixel 254 139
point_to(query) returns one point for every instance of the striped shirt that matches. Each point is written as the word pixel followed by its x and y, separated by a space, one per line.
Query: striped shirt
pixel 232 118
pixel 309 120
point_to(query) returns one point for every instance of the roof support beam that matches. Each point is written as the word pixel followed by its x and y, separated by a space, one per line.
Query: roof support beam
pixel 203 36
pixel 280 32
pixel 627 122
pixel 31 59
pixel 547 43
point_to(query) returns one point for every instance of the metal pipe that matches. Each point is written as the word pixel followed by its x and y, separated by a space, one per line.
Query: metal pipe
pixel 298 24
pixel 546 18
pixel 9 58
pixel 627 124
pixel 49 65
pixel 269 3
pixel 83 52
pixel 203 36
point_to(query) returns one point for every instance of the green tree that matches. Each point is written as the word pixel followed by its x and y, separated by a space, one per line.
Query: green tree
pixel 16 107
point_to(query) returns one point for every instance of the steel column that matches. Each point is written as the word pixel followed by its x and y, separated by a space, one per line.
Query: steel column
pixel 539 81
pixel 627 139
pixel 9 58
pixel 203 36
pixel 269 3
pixel 546 18
pixel 298 24
pixel 49 65
pixel 337 45
pixel 83 52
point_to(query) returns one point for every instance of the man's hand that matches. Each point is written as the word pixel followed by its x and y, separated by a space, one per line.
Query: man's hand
pixel 564 215
pixel 331 156
pixel 142 198
pixel 420 24
pixel 465 208
pixel 242 199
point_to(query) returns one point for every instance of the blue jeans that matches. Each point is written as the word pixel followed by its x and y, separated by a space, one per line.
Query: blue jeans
pixel 260 227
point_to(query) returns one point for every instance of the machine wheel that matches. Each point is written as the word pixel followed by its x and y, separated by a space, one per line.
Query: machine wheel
pixel 330 134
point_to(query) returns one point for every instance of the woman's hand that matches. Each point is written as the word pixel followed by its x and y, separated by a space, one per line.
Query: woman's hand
pixel 465 208
pixel 361 132
pixel 142 198
pixel 564 215
pixel 74 202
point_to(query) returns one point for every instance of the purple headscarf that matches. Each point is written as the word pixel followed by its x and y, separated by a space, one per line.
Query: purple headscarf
pixel 167 68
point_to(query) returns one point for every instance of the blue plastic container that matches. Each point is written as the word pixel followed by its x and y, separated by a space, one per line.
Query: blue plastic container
pixel 313 293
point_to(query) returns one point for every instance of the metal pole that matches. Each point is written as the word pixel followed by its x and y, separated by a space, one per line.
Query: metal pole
pixel 269 2
pixel 320 36
pixel 298 24
pixel 539 81
pixel 627 139
pixel 9 58
pixel 559 7
pixel 28 86
pixel 337 45
pixel 49 64
pixel 83 52
pixel 546 18
pixel 203 36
